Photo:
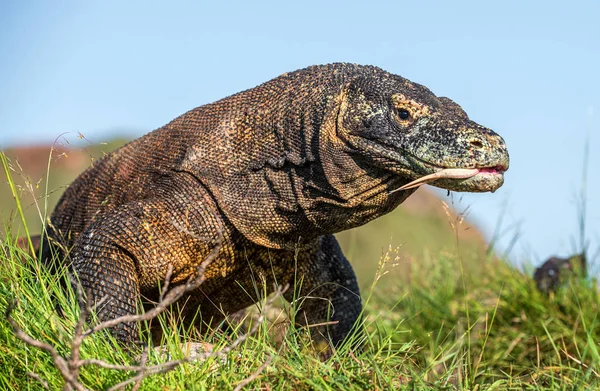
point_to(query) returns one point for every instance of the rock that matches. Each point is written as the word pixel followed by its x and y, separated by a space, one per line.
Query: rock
pixel 554 271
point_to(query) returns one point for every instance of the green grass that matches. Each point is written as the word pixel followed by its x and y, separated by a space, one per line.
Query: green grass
pixel 40 175
pixel 444 330
pixel 442 318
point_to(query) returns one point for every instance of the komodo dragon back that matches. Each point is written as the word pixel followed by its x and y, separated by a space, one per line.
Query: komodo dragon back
pixel 271 173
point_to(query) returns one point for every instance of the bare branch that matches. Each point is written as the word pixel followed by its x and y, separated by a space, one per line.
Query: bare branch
pixel 85 310
pixel 59 362
pixel 165 287
pixel 142 374
pixel 37 377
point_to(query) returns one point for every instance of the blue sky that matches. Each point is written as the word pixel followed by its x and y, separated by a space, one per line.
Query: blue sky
pixel 529 70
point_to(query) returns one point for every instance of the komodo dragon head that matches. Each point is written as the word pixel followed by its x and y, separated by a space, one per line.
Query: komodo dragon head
pixel 403 127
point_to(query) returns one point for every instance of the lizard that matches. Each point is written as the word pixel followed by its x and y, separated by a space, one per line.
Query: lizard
pixel 274 172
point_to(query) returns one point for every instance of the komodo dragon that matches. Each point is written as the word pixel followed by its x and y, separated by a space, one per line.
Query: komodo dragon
pixel 274 171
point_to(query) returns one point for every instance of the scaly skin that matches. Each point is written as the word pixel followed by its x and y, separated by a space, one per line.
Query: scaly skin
pixel 277 170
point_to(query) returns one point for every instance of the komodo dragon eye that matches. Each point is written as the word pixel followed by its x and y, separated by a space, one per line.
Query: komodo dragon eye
pixel 403 114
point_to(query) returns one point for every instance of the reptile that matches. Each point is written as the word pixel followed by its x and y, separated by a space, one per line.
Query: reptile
pixel 268 175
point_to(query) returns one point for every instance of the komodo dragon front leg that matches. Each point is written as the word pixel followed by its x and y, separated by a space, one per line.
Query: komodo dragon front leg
pixel 112 257
pixel 327 293
pixel 126 252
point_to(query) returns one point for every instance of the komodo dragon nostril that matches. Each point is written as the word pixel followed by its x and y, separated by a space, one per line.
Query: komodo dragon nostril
pixel 476 144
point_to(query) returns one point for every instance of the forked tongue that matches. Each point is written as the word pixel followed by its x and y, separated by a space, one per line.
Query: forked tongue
pixel 451 173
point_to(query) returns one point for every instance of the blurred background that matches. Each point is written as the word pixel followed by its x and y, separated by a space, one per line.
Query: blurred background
pixel 88 76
